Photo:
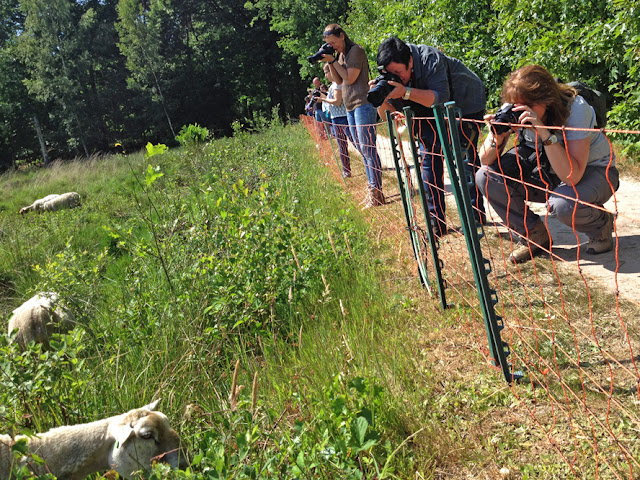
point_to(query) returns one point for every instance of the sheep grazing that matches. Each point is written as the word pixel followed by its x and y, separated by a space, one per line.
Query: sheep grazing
pixel 39 317
pixel 125 443
pixel 53 202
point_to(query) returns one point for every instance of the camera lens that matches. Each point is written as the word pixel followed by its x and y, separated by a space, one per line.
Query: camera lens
pixel 382 88
pixel 325 49
pixel 505 114
pixel 378 93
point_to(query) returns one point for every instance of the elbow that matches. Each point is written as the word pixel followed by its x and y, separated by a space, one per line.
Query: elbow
pixel 571 180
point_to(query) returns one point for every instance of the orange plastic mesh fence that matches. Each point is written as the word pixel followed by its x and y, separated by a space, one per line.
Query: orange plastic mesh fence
pixel 572 320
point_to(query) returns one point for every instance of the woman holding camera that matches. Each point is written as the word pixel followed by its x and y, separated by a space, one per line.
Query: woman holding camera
pixel 350 68
pixel 582 161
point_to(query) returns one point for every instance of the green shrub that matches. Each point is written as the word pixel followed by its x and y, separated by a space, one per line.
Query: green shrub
pixel 191 135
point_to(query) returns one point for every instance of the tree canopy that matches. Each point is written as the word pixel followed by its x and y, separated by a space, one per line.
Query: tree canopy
pixel 95 73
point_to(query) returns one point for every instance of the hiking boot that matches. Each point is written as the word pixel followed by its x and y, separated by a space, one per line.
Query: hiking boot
pixel 603 242
pixel 378 196
pixel 375 198
pixel 527 247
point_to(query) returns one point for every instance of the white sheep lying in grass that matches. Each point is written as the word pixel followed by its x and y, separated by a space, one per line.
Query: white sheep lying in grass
pixel 53 202
pixel 125 443
pixel 37 318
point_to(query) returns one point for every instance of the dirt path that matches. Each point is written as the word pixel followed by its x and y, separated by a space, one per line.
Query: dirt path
pixel 565 245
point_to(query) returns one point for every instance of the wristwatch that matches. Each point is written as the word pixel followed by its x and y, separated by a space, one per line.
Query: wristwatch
pixel 550 141
pixel 407 94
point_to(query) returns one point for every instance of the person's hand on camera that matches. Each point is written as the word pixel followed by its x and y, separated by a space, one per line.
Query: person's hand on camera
pixel 398 91
pixel 489 119
pixel 493 138
pixel 529 116
pixel 327 58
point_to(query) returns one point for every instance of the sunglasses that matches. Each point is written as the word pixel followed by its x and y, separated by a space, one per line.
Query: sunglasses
pixel 335 32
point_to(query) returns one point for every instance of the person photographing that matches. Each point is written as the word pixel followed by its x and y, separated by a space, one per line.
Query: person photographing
pixel 419 77
pixel 577 170
pixel 349 67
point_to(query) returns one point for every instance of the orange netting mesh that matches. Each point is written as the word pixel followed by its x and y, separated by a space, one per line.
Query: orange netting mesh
pixel 570 319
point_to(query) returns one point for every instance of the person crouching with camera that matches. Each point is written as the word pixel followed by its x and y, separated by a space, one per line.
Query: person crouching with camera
pixel 420 76
pixel 573 164
pixel 350 68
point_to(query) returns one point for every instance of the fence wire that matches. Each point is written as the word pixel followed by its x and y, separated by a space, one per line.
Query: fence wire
pixel 571 320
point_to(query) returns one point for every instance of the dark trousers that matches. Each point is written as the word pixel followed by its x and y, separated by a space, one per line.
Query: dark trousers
pixel 433 168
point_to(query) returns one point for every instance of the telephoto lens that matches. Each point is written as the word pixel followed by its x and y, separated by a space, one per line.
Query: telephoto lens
pixel 505 114
pixel 382 88
pixel 325 49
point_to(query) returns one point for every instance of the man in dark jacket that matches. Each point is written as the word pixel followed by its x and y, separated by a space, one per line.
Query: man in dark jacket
pixel 429 77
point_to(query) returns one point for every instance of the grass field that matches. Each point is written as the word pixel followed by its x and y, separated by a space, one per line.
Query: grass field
pixel 182 265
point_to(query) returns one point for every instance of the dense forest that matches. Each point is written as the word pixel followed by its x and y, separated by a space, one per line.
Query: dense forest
pixel 106 75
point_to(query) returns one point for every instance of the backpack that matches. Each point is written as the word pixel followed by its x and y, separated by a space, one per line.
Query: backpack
pixel 595 99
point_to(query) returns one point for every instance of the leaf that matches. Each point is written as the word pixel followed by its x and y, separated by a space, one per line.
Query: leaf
pixel 155 149
pixel 152 174
pixel 359 430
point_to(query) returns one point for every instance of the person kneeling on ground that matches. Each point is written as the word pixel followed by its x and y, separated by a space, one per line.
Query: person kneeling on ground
pixel 580 164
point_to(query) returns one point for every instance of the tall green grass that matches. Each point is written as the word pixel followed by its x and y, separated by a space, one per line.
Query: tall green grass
pixel 180 264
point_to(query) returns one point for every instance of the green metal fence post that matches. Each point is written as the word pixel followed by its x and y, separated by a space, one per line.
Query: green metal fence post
pixel 405 195
pixel 424 196
pixel 450 140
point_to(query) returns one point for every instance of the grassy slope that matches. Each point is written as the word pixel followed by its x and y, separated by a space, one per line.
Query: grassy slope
pixel 245 250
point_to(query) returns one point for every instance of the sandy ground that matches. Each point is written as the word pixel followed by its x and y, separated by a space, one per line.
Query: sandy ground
pixel 619 268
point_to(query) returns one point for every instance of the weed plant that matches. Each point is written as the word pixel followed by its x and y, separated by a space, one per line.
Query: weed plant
pixel 239 256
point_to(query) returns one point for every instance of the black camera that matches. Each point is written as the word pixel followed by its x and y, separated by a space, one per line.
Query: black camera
pixel 315 95
pixel 382 88
pixel 325 49
pixel 505 114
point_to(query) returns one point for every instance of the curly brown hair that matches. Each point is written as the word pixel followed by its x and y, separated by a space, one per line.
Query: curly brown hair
pixel 533 84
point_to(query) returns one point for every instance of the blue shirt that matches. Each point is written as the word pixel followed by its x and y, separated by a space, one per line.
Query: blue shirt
pixel 448 78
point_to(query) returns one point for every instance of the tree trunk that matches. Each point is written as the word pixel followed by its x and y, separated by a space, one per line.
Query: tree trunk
pixel 41 139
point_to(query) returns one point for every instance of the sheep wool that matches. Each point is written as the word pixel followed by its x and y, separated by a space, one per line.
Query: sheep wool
pixel 126 443
pixel 53 202
pixel 37 318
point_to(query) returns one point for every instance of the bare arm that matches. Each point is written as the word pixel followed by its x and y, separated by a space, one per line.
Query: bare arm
pixel 418 95
pixel 348 75
pixel 493 144
pixel 336 100
pixel 569 163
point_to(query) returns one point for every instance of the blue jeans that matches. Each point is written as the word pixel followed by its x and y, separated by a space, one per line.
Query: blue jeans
pixel 363 130
pixel 433 168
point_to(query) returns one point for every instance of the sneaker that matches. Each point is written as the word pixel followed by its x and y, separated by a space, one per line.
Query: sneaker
pixel 375 198
pixel 346 174
pixel 527 247
pixel 603 242
pixel 368 199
